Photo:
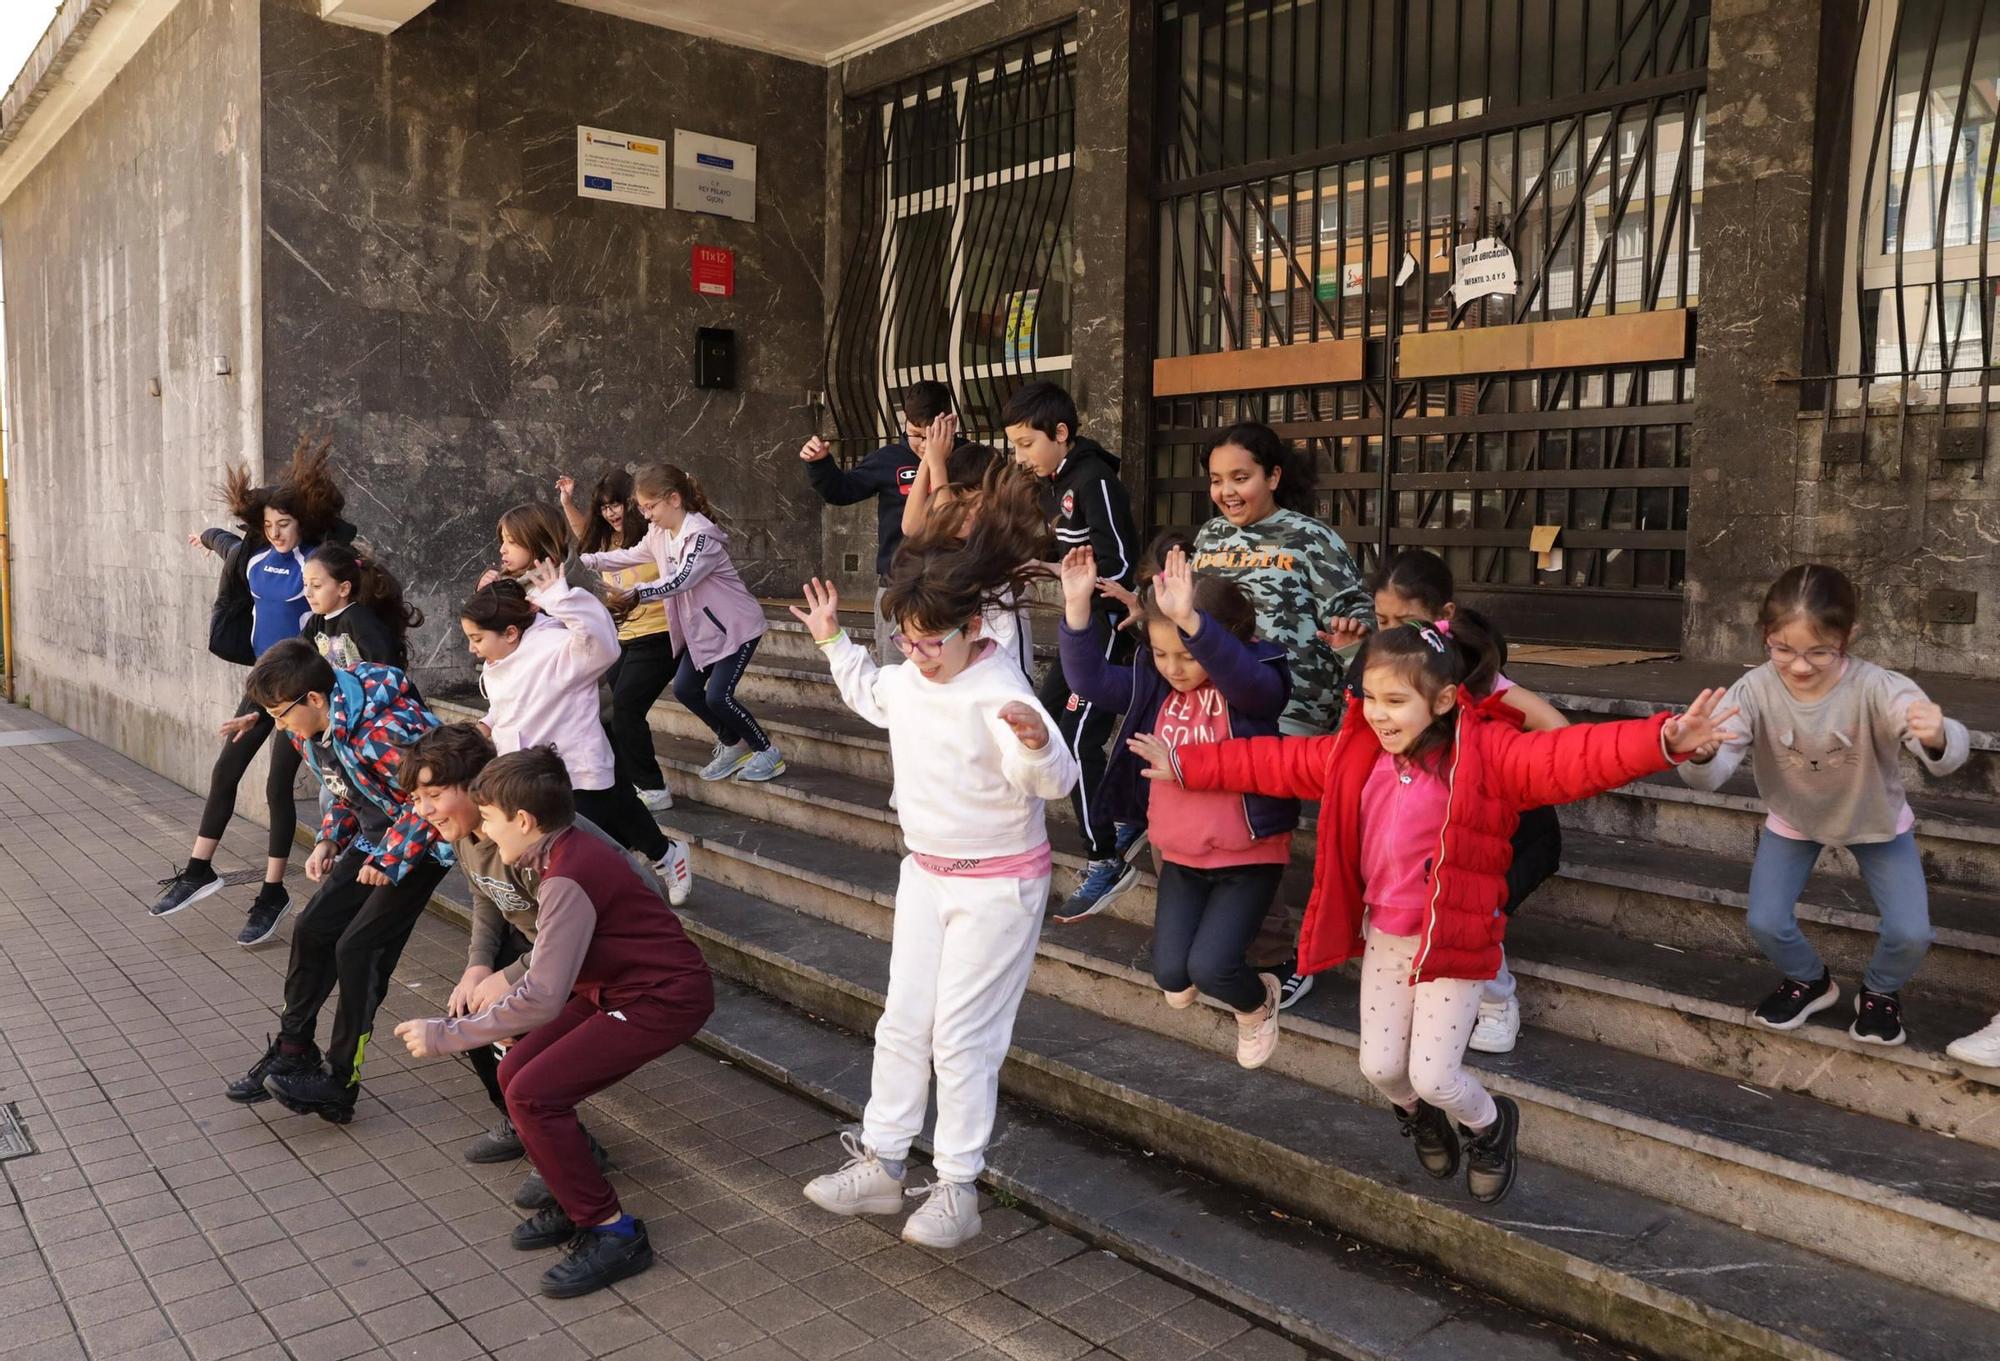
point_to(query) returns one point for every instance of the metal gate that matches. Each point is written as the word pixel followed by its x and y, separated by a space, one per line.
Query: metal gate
pixel 1320 160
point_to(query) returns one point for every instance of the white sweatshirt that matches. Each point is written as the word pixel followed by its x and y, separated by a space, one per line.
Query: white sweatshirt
pixel 546 690
pixel 965 786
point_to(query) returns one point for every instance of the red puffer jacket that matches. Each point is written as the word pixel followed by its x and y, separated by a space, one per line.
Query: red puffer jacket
pixel 1492 772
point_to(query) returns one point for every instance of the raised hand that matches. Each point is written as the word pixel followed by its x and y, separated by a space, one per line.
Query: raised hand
pixel 1157 755
pixel 1173 591
pixel 1027 725
pixel 1079 578
pixel 566 488
pixel 813 450
pixel 941 435
pixel 488 577
pixel 1114 590
pixel 1699 727
pixel 544 574
pixel 1341 632
pixel 235 728
pixel 1925 721
pixel 821 616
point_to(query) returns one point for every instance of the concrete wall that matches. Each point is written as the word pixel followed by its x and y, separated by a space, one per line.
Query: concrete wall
pixel 437 294
pixel 131 254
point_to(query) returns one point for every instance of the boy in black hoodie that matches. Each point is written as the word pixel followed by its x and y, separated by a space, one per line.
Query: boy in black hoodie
pixel 1089 508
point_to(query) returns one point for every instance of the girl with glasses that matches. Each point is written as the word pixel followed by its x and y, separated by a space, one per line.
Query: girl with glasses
pixel 976 757
pixel 1822 729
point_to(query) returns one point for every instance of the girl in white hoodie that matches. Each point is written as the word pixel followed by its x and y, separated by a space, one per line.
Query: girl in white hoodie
pixel 976 758
pixel 543 645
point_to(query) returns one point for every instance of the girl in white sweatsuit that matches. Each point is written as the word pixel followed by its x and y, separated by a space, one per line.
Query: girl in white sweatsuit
pixel 544 645
pixel 976 757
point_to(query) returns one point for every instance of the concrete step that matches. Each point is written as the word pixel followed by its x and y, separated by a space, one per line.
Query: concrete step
pixel 1624 1266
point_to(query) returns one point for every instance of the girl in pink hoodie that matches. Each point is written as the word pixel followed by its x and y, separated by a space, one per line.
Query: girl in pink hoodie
pixel 711 615
pixel 543 645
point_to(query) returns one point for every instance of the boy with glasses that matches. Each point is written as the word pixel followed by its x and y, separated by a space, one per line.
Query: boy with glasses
pixel 376 863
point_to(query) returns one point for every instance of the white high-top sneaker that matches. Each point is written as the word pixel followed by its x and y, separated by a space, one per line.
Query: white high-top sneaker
pixel 861 1187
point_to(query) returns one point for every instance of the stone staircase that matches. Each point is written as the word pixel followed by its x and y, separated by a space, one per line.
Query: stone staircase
pixel 1693 1186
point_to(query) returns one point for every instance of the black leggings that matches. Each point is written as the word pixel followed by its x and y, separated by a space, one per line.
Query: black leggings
pixel 709 693
pixel 1538 848
pixel 232 761
pixel 620 816
pixel 644 669
pixel 1203 923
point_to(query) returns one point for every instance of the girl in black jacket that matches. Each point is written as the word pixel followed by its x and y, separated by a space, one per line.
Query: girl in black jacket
pixel 358 610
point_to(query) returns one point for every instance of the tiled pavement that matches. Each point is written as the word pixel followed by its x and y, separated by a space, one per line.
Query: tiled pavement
pixel 159 1220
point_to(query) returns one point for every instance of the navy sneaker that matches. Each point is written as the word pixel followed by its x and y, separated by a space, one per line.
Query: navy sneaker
pixel 184 890
pixel 265 914
pixel 1103 883
pixel 249 1089
pixel 597 1258
pixel 315 1093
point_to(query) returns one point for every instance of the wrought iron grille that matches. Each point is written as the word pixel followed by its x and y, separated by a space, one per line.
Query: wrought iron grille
pixel 960 271
pixel 1320 159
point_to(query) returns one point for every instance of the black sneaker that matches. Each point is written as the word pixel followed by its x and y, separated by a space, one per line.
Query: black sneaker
pixel 265 914
pixel 498 1145
pixel 1878 1019
pixel 185 890
pixel 1436 1141
pixel 1490 1159
pixel 1789 1006
pixel 534 1193
pixel 315 1093
pixel 1292 985
pixel 548 1227
pixel 597 1258
pixel 249 1089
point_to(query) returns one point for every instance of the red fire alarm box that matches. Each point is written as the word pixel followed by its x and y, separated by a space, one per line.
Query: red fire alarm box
pixel 714 271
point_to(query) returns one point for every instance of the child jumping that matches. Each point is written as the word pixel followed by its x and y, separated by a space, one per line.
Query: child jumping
pixel 358 610
pixel 1822 728
pixel 542 651
pixel 1202 677
pixel 612 983
pixel 1419 791
pixel 975 758
pixel 714 619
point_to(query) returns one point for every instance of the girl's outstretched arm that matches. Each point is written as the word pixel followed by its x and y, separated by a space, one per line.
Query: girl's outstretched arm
pixel 651 549
pixel 1710 770
pixel 1533 769
pixel 1278 767
pixel 855 674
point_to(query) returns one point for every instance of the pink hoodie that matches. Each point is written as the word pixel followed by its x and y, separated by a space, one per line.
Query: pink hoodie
pixel 546 690
pixel 710 612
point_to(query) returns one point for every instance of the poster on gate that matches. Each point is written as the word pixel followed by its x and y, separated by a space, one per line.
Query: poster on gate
pixel 1481 270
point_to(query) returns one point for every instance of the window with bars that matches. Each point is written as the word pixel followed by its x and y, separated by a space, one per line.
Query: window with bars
pixel 1922 209
pixel 961 270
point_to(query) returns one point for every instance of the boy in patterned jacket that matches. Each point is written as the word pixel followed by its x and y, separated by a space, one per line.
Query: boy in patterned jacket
pixel 376 862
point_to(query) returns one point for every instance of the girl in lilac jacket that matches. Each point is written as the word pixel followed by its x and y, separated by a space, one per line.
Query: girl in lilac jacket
pixel 711 615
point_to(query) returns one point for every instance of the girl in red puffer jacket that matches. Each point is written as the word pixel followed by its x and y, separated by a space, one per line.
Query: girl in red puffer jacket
pixel 1417 805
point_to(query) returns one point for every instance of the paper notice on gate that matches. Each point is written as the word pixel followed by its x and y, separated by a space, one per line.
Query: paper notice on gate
pixel 1482 269
pixel 1542 541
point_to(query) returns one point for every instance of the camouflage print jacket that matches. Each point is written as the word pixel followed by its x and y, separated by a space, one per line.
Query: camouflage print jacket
pixel 1298 574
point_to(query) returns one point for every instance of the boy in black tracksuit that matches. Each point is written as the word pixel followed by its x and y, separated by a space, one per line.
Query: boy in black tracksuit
pixel 887 475
pixel 1090 508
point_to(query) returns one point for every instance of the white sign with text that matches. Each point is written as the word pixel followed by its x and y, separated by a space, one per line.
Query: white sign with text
pixel 1482 269
pixel 715 175
pixel 621 166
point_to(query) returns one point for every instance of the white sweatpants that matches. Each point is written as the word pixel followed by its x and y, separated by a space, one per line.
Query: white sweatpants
pixel 1413 1038
pixel 958 964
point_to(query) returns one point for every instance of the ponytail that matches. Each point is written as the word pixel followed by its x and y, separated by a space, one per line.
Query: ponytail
pixel 375 586
pixel 660 480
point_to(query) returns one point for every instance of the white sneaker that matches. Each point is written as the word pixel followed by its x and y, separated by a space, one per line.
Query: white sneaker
pixel 948 1218
pixel 1257 1032
pixel 674 873
pixel 861 1187
pixel 1499 1026
pixel 1182 1000
pixel 726 761
pixel 657 800
pixel 767 764
pixel 1981 1048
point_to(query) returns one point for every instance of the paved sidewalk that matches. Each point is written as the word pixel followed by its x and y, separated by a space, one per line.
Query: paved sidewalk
pixel 159 1220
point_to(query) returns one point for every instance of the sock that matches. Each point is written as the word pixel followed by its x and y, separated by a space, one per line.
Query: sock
pixel 198 868
pixel 624 1226
pixel 292 1049
pixel 895 1167
pixel 271 894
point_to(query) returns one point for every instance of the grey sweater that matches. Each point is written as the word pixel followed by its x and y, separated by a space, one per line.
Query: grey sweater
pixel 1829 768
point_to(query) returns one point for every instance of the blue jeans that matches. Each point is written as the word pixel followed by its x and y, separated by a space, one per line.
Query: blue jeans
pixel 1203 922
pixel 1895 876
pixel 709 693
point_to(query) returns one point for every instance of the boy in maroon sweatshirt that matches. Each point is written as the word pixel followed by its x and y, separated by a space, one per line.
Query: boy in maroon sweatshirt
pixel 612 983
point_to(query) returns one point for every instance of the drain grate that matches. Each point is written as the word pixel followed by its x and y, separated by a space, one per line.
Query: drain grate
pixel 14 1140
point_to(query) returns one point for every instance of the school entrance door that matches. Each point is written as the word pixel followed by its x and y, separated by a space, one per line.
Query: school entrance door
pixel 1322 164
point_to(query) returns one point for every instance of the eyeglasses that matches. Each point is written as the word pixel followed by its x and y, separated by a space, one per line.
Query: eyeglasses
pixel 927 648
pixel 289 707
pixel 1818 658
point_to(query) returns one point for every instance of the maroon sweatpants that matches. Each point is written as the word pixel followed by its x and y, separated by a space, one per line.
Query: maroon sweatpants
pixel 581 1052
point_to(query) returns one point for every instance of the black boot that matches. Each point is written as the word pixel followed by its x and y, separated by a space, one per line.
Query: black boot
pixel 314 1093
pixel 1490 1159
pixel 545 1228
pixel 597 1258
pixel 1436 1141
pixel 534 1193
pixel 498 1145
pixel 249 1089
